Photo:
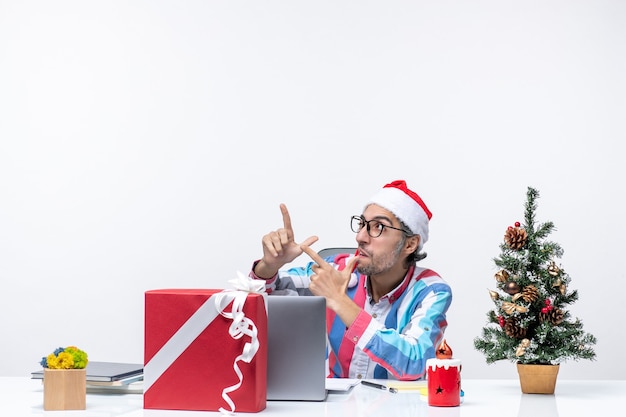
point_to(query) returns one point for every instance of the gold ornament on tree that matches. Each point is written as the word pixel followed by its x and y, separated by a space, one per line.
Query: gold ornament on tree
pixel 510 308
pixel 559 284
pixel 502 276
pixel 511 287
pixel 553 269
pixel 515 237
pixel 521 348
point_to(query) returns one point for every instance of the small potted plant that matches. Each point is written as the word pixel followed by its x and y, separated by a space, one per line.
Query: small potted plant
pixel 530 324
pixel 65 379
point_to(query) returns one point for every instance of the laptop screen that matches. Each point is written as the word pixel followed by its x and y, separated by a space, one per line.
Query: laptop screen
pixel 296 362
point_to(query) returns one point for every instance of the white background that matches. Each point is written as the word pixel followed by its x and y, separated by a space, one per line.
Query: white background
pixel 148 144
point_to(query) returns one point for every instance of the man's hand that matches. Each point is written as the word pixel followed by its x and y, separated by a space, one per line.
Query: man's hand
pixel 280 248
pixel 332 285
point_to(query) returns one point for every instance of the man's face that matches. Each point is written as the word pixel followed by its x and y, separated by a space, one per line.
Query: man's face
pixel 378 255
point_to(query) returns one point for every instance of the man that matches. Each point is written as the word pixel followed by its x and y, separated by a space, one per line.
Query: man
pixel 386 315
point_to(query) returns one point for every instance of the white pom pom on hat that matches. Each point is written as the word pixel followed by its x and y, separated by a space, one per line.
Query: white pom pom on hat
pixel 406 205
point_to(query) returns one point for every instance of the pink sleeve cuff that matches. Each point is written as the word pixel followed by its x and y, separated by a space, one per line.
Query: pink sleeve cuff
pixel 268 282
pixel 358 327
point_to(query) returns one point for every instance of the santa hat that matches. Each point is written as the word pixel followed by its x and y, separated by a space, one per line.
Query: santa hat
pixel 406 205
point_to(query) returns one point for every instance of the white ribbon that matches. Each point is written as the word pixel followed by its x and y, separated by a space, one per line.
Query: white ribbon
pixel 247 284
pixel 241 326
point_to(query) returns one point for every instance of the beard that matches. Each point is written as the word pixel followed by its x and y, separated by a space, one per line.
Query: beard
pixel 381 263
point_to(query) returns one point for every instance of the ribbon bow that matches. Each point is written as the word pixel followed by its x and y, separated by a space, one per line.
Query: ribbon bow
pixel 241 325
pixel 245 283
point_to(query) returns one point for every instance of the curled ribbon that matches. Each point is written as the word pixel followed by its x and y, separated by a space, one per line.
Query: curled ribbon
pixel 241 326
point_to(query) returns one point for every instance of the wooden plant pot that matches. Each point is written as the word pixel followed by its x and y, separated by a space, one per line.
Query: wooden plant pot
pixel 537 379
pixel 64 389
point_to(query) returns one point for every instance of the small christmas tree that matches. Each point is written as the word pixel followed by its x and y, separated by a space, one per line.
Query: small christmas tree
pixel 530 323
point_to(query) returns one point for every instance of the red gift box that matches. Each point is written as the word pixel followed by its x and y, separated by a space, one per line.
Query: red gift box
pixel 190 358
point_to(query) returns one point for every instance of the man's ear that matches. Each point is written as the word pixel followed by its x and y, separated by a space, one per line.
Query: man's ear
pixel 412 243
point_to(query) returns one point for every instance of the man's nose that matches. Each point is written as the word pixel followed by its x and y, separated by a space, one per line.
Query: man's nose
pixel 363 236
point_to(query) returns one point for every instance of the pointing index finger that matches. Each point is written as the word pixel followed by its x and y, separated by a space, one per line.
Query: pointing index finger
pixel 286 217
pixel 313 255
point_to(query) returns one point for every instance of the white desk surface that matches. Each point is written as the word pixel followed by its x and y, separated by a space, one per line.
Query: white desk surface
pixel 500 398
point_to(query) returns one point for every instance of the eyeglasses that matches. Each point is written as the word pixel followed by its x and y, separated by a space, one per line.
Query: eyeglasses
pixel 374 227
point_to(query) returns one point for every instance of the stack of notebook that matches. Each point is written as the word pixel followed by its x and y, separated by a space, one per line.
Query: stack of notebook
pixel 110 376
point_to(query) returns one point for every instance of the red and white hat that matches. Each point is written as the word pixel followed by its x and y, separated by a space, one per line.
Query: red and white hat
pixel 406 205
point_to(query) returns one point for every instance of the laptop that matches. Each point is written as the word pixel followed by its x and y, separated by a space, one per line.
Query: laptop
pixel 296 362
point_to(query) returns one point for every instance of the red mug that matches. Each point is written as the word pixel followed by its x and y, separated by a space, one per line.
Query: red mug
pixel 444 382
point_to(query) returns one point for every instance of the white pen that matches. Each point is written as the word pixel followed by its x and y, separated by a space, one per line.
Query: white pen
pixel 378 386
